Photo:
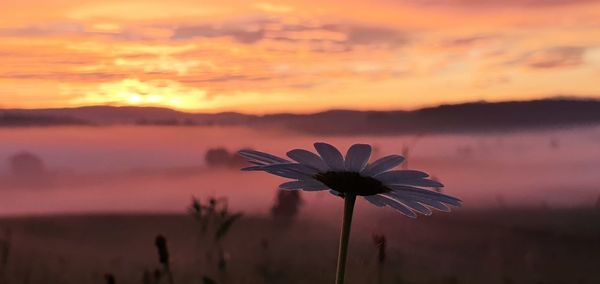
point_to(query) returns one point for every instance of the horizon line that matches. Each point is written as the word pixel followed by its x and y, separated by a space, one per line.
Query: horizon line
pixel 189 111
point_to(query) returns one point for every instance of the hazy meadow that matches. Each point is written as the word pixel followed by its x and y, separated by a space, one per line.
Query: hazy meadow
pixel 530 213
pixel 157 169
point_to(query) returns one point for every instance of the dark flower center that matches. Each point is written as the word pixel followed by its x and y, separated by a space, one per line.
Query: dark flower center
pixel 351 183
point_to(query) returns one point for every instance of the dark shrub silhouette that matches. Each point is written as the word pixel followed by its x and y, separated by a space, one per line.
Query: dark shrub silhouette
pixel 221 158
pixel 26 164
pixel 286 206
pixel 217 157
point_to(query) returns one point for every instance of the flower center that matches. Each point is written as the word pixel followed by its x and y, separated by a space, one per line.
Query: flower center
pixel 351 182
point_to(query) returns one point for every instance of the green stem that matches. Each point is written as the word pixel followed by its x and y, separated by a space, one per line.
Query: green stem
pixel 349 201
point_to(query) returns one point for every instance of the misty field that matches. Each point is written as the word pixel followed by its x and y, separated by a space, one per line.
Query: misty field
pixel 102 169
pixel 486 246
pixel 86 204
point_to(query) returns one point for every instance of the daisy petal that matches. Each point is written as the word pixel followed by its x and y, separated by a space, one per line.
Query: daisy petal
pixel 357 157
pixel 252 168
pixel 286 174
pixel 312 185
pixel 424 200
pixel 261 156
pixel 436 205
pixel 331 156
pixel 314 189
pixel 258 163
pixel 291 185
pixel 305 184
pixel 299 168
pixel 446 201
pixel 375 200
pixel 399 207
pixel 400 177
pixel 433 204
pixel 308 158
pixel 288 171
pixel 422 182
pixel 412 204
pixel 383 164
pixel 315 186
pixel 432 195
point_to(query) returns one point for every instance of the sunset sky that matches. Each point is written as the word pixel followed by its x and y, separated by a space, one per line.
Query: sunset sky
pixel 296 56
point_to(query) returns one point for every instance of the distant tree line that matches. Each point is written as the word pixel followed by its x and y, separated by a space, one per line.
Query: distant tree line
pixel 18 119
pixel 221 158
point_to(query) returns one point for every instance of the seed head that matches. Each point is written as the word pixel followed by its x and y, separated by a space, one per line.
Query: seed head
pixel 163 251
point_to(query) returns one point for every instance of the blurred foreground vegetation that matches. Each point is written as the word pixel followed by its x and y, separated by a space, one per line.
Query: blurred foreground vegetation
pixel 486 246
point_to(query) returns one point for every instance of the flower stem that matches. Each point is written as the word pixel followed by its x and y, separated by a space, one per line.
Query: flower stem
pixel 349 201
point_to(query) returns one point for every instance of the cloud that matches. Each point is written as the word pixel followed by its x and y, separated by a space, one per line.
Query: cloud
pixel 303 85
pixel 366 35
pixel 497 3
pixel 239 34
pixel 65 76
pixel 43 30
pixel 333 36
pixel 556 57
pixel 346 35
pixel 79 30
pixel 467 40
pixel 226 79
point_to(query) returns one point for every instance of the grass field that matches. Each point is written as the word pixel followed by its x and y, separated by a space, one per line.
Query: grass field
pixel 485 246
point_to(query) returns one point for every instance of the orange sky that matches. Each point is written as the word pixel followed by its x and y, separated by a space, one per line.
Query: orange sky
pixel 261 57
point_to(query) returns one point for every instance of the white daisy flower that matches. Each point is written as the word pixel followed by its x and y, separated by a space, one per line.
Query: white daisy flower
pixel 403 190
pixel 351 176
